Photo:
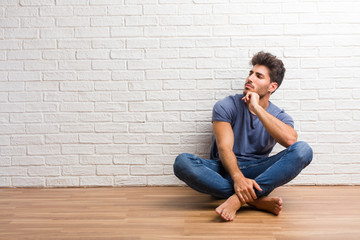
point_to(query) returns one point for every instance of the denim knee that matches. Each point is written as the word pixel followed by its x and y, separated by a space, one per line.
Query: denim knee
pixel 303 151
pixel 181 163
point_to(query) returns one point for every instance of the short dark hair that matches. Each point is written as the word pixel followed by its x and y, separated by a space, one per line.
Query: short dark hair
pixel 275 65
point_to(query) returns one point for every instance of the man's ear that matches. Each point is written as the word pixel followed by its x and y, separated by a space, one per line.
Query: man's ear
pixel 273 86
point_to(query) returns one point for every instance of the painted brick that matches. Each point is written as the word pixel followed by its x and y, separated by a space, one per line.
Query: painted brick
pixel 77 149
pixel 73 22
pixel 5 181
pixel 179 127
pixel 161 159
pixel 110 86
pixel 42 128
pixel 57 55
pixel 94 96
pixel 112 21
pixel 44 171
pixel 111 149
pixel 62 97
pixel 94 75
pixel 77 127
pixel 4 140
pixel 195 52
pixel 21 11
pixel 163 139
pixel 27 140
pixel 110 127
pixel 141 21
pixel 73 44
pixel 10 22
pixel 58 138
pixel 170 180
pixel 127 32
pixel 145 107
pixel 78 65
pixel 60 117
pixel 60 160
pixel 13 150
pixel 56 12
pixel 132 159
pixel 128 75
pixel 112 170
pixel 146 170
pixel 10 44
pixel 130 181
pixel 125 10
pixel 159 9
pixel 28 181
pixel 76 107
pixel 108 65
pixel 129 96
pixel 127 54
pixel 129 117
pixel 129 138
pixel 161 117
pixel 334 115
pixel 95 138
pixel 49 149
pixel 98 160
pixel 107 43
pixel 162 95
pixel 62 181
pixel 21 33
pixel 145 127
pixel 179 106
pixel 204 116
pixel 96 181
pixel 89 11
pixel 167 43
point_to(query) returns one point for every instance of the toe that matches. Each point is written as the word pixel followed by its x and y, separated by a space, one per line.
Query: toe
pixel 218 211
pixel 226 216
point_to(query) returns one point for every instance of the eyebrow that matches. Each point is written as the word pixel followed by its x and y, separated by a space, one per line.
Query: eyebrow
pixel 251 71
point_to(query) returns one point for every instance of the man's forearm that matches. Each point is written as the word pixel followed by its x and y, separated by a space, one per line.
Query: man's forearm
pixel 243 187
pixel 229 162
pixel 281 132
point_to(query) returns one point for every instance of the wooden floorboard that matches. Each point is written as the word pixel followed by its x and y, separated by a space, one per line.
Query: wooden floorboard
pixel 309 212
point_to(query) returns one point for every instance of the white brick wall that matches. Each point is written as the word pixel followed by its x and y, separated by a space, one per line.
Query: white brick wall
pixel 107 93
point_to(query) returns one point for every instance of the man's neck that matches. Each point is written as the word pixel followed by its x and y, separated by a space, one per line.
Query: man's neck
pixel 264 102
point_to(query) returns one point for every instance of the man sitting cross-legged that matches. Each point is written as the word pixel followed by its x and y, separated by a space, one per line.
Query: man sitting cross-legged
pixel 246 127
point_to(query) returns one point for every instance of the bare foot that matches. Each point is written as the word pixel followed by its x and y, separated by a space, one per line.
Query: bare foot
pixel 270 204
pixel 228 209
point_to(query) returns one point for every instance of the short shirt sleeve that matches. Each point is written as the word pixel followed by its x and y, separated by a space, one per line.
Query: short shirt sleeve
pixel 224 110
pixel 285 118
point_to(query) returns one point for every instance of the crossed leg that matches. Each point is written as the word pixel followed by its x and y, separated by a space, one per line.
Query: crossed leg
pixel 284 167
pixel 206 176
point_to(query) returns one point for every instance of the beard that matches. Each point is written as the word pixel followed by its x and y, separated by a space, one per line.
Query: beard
pixel 262 92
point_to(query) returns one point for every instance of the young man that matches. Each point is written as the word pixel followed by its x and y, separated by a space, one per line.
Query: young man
pixel 246 128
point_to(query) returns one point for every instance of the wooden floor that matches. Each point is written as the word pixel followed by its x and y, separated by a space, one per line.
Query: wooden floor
pixel 174 213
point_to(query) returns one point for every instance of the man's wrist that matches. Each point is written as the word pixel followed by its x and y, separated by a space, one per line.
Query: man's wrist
pixel 237 176
pixel 257 109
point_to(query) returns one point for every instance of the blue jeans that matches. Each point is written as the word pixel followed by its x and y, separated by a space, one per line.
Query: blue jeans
pixel 210 177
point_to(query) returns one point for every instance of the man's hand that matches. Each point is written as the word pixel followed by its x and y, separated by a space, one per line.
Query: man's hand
pixel 253 99
pixel 244 189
